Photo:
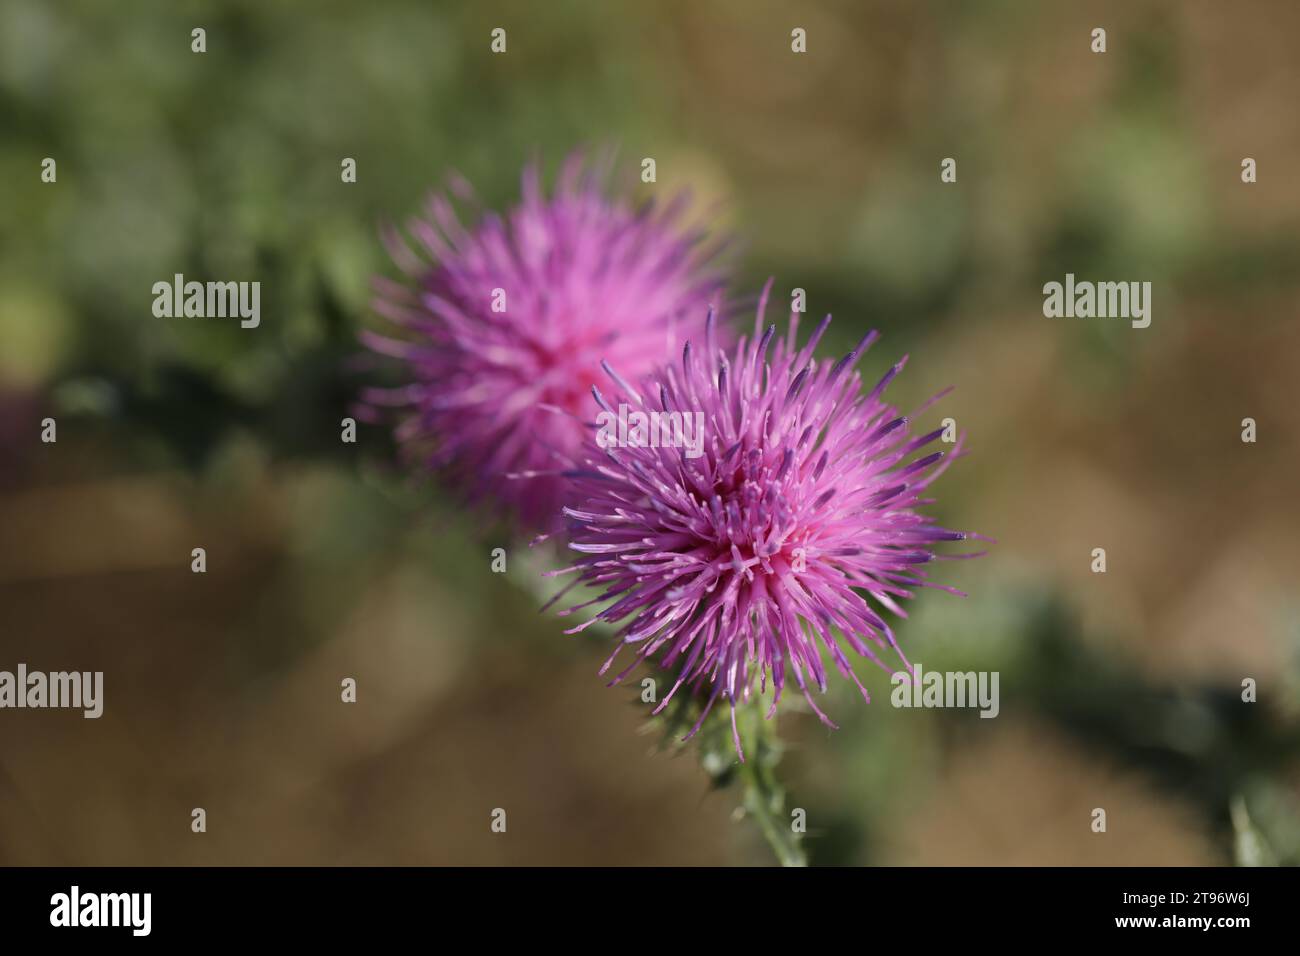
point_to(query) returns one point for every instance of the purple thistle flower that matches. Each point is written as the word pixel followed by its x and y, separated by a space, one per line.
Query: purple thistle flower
pixel 737 564
pixel 505 328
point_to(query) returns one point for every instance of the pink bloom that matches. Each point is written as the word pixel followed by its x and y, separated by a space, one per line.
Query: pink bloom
pixel 756 560
pixel 504 324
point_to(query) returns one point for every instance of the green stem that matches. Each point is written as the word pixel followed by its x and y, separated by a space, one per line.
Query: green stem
pixel 764 796
pixel 765 802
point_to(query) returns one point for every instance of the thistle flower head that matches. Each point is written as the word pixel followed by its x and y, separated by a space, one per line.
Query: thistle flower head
pixel 772 553
pixel 503 325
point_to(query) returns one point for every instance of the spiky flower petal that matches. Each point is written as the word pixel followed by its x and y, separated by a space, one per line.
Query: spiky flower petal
pixel 762 557
pixel 504 325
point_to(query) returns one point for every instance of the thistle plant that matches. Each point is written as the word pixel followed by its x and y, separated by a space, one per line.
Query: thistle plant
pixel 759 546
pixel 500 327
pixel 775 553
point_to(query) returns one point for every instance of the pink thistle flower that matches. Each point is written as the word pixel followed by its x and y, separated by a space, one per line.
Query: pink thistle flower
pixel 755 560
pixel 504 325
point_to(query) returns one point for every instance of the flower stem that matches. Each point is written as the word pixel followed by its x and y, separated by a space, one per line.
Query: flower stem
pixel 765 802
pixel 764 797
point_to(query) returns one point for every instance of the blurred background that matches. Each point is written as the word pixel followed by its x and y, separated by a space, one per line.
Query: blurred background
pixel 1119 690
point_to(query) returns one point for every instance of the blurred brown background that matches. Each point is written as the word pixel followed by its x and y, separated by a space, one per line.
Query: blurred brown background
pixel 1119 690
